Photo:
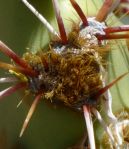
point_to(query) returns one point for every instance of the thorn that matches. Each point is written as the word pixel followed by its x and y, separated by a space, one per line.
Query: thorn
pixel 18 105
pixel 12 89
pixel 60 22
pixel 30 113
pixel 104 89
pixel 115 4
pixel 106 128
pixel 8 80
pixel 80 12
pixel 41 18
pixel 104 10
pixel 89 125
pixel 17 69
pixel 111 36
pixel 124 1
pixel 25 95
pixel 7 51
pixel 109 30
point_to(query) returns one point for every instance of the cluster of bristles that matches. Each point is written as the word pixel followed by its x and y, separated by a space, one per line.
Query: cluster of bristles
pixel 72 70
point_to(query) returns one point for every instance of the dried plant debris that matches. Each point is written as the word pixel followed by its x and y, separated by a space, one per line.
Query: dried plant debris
pixel 123 126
